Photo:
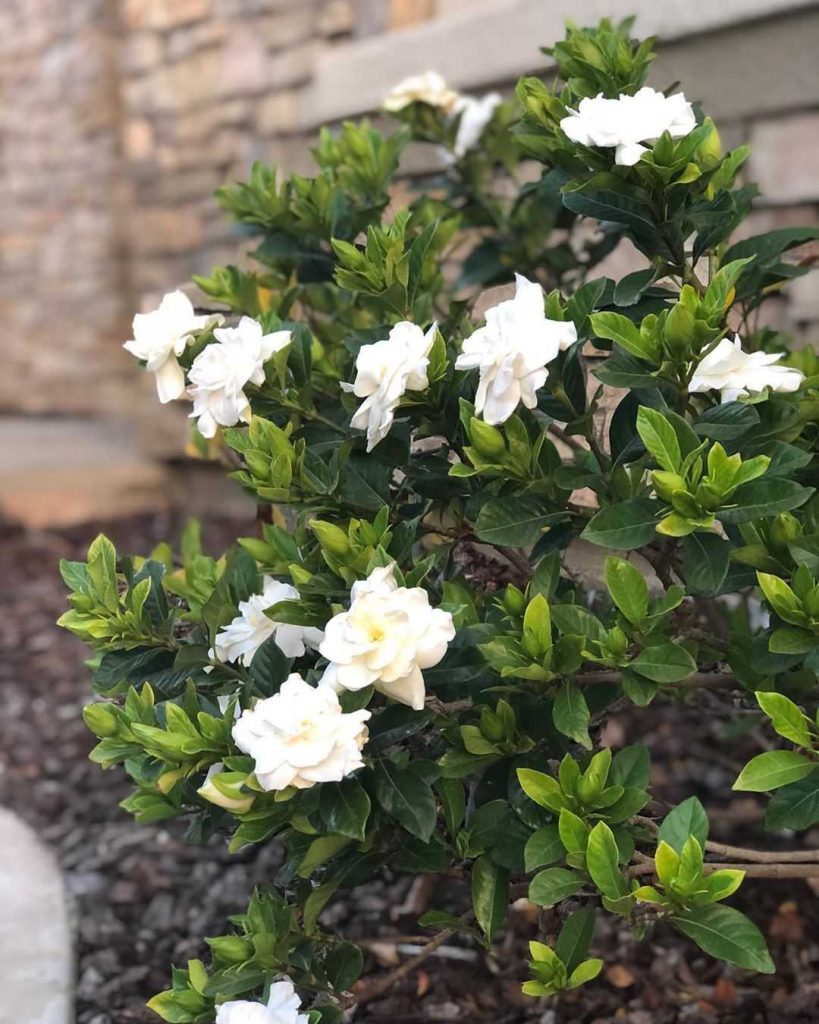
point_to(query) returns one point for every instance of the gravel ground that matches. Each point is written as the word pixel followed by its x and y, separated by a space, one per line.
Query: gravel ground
pixel 143 899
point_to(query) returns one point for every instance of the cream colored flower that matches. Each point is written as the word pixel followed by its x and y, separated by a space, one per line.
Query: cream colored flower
pixel 512 350
pixel 245 634
pixel 388 636
pixel 300 736
pixel 161 336
pixel 429 88
pixel 385 370
pixel 626 122
pixel 221 370
pixel 733 372
pixel 282 1007
pixel 475 113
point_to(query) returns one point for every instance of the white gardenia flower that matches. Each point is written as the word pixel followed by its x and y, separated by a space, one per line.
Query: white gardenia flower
pixel 220 372
pixel 384 371
pixel 388 636
pixel 429 88
pixel 628 121
pixel 476 113
pixel 241 638
pixel 161 336
pixel 282 1007
pixel 733 372
pixel 300 736
pixel 512 350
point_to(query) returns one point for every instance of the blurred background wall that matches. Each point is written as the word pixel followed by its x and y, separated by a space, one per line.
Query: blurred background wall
pixel 119 118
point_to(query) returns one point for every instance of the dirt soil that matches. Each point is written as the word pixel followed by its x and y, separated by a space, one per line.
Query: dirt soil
pixel 143 899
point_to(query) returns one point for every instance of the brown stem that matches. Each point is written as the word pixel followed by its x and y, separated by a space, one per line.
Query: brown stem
pixel 763 856
pixel 378 986
pixel 646 867
pixel 740 852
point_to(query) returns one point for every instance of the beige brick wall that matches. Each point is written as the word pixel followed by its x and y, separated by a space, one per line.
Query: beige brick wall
pixel 118 119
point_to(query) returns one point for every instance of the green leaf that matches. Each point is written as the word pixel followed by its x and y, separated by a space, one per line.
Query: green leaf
pixel 571 714
pixel 344 808
pixel 726 934
pixel 764 497
pixel 630 767
pixel 542 788
pixel 543 847
pixel 660 438
pixel 513 521
pixel 795 806
pixel 618 328
pixel 627 525
pixel 553 885
pixel 628 588
pixel 602 859
pixel 406 798
pixel 785 717
pixel 343 965
pixel 490 895
pixel 705 562
pixel 575 938
pixel 684 820
pixel 664 663
pixel 773 769
pixel 587 971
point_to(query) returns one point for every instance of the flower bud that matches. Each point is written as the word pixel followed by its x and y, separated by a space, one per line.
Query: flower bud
pixel 666 484
pixel 232 948
pixel 685 504
pixel 332 539
pixel 711 147
pixel 224 789
pixel 167 780
pixel 709 497
pixel 513 600
pixel 488 440
pixel 784 529
pixel 491 725
pixel 101 719
pixel 616 641
pixel 679 330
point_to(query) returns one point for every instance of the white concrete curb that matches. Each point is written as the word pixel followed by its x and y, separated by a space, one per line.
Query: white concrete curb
pixel 36 969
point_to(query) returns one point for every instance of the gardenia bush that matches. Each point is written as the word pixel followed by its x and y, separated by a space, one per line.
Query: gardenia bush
pixel 396 671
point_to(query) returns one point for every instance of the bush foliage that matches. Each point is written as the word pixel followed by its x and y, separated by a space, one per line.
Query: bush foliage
pixel 452 675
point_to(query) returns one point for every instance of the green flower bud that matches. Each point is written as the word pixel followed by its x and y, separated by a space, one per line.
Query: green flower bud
pixel 679 331
pixel 101 719
pixel 666 484
pixel 224 789
pixel 616 641
pixel 708 496
pixel 783 530
pixel 711 147
pixel 684 503
pixel 513 600
pixel 491 725
pixel 231 948
pixel 332 538
pixel 488 440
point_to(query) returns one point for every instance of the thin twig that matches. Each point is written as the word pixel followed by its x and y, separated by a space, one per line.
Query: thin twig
pixel 380 985
pixel 646 867
pixel 739 852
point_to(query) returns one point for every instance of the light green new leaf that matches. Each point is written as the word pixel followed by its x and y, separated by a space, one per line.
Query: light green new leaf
pixel 785 717
pixel 660 438
pixel 602 862
pixel 628 588
pixel 773 769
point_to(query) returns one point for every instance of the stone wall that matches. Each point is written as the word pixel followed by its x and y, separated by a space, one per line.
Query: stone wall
pixel 119 118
